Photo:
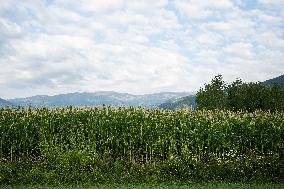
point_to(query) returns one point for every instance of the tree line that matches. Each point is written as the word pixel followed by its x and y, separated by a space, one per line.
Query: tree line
pixel 239 95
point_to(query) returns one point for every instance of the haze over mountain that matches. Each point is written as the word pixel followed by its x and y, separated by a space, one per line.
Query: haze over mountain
pixel 98 99
pixel 4 103
pixel 179 103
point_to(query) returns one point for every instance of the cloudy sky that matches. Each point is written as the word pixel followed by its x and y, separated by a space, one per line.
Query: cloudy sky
pixel 136 46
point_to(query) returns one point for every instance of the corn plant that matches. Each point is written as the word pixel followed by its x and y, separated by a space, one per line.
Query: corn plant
pixel 75 136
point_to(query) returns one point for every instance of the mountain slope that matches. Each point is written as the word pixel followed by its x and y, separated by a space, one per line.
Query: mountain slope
pixel 179 103
pixel 277 80
pixel 97 99
pixel 4 103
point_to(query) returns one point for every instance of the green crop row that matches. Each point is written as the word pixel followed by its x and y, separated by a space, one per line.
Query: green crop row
pixel 56 144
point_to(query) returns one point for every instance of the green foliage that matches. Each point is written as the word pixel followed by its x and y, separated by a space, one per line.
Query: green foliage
pixel 213 95
pixel 247 96
pixel 240 96
pixel 275 100
pixel 151 186
pixel 134 145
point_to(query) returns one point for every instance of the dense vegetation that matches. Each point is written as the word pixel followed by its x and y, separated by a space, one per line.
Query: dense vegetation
pixel 151 186
pixel 240 96
pixel 118 145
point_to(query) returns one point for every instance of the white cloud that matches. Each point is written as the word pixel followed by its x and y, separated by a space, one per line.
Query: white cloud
pixel 238 28
pixel 266 18
pixel 9 29
pixel 97 6
pixel 270 39
pixel 134 46
pixel 240 50
pixel 209 39
pixel 192 11
pixel 145 6
pixel 272 2
pixel 201 9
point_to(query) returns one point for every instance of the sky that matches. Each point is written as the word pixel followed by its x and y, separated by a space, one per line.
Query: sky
pixel 49 47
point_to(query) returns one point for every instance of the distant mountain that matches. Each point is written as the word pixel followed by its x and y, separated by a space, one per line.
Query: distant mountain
pixel 277 80
pixel 98 99
pixel 4 103
pixel 179 103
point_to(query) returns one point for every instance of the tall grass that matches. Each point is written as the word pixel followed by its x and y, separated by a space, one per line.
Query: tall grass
pixel 139 145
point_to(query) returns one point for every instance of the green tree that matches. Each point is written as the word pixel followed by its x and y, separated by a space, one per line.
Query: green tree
pixel 247 96
pixel 236 95
pixel 275 100
pixel 240 96
pixel 213 95
pixel 255 96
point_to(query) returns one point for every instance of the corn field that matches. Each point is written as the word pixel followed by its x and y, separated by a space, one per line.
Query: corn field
pixel 68 145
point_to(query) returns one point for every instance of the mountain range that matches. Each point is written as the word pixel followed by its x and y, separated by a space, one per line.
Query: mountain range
pixel 97 99
pixel 179 103
pixel 164 100
pixel 4 103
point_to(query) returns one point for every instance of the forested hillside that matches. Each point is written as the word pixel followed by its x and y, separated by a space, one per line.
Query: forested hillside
pixel 277 80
